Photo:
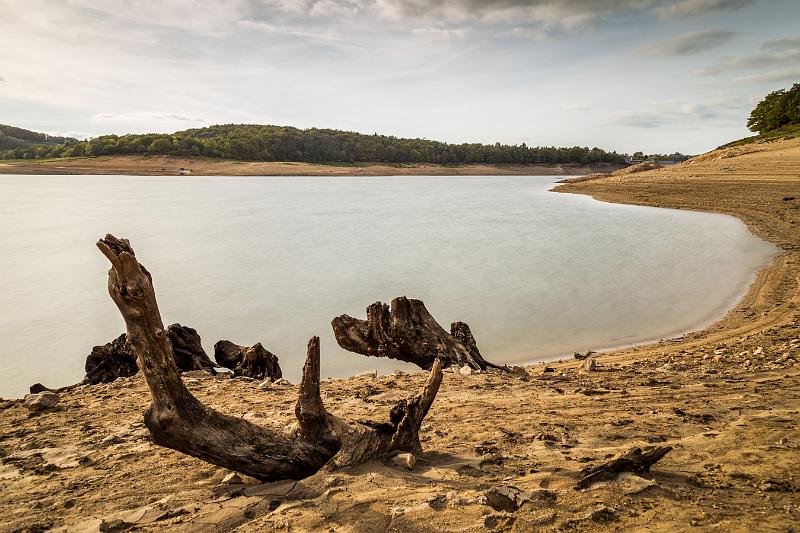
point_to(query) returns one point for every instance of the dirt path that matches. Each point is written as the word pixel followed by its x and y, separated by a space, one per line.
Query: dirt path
pixel 726 399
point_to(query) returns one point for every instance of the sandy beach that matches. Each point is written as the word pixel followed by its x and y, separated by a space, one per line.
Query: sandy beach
pixel 170 166
pixel 727 399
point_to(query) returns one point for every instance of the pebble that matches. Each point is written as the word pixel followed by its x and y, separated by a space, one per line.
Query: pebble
pixel 232 479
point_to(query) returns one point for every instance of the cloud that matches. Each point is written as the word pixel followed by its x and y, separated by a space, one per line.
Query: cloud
pixel 442 33
pixel 575 107
pixel 787 43
pixel 688 8
pixel 786 52
pixel 670 111
pixel 567 14
pixel 143 116
pixel 689 43
pixel 784 75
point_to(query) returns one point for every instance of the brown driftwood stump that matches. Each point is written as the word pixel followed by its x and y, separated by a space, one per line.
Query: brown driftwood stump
pixel 408 332
pixel 178 420
pixel 110 361
pixel 254 362
pixel 634 460
pixel 187 349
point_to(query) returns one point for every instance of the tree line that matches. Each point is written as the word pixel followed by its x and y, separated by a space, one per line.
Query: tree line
pixel 279 143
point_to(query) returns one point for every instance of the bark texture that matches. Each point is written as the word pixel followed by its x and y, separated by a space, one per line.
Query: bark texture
pixel 178 420
pixel 254 362
pixel 408 332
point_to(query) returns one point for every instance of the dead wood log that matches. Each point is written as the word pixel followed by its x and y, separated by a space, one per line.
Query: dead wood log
pixel 178 420
pixel 409 333
pixel 187 348
pixel 254 362
pixel 634 460
pixel 110 361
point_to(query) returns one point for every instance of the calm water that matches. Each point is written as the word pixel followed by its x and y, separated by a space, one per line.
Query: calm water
pixel 536 274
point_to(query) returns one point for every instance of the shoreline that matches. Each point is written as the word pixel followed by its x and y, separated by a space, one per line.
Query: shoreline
pixel 177 166
pixel 725 400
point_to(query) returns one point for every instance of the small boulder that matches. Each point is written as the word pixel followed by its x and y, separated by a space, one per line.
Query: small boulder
pixel 41 401
pixel 406 460
pixel 466 371
pixel 505 498
pixel 590 365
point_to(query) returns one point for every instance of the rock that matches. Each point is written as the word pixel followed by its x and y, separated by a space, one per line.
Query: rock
pixel 198 374
pixel 406 460
pixel 603 515
pixel 232 479
pixel 111 439
pixel 519 371
pixel 113 525
pixel 498 521
pixel 41 401
pixel 548 370
pixel 505 498
pixel 590 365
pixel 466 371
pixel 758 351
pixel 368 374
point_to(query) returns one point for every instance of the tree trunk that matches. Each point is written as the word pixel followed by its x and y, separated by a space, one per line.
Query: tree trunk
pixel 178 420
pixel 408 333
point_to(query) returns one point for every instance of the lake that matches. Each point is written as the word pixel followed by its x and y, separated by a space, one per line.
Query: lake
pixel 536 274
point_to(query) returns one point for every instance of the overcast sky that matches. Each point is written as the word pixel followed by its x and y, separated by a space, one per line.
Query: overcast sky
pixel 626 75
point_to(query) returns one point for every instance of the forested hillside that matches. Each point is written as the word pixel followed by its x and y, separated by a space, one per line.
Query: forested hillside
pixel 249 142
pixel 11 137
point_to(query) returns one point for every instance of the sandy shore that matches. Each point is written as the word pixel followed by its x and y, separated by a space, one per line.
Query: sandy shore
pixel 171 166
pixel 727 399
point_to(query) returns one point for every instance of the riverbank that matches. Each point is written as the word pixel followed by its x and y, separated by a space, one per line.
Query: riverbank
pixel 172 166
pixel 727 399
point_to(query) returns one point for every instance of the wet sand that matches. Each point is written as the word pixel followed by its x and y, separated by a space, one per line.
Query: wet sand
pixel 727 399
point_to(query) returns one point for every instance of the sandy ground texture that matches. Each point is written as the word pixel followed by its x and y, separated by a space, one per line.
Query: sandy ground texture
pixel 726 399
pixel 170 166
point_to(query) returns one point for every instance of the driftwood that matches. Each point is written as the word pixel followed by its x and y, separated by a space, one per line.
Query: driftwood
pixel 409 333
pixel 117 359
pixel 634 460
pixel 254 362
pixel 111 361
pixel 178 420
pixel 187 349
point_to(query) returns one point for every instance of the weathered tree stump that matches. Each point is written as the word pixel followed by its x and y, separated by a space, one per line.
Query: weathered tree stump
pixel 117 359
pixel 111 361
pixel 187 348
pixel 178 420
pixel 255 362
pixel 409 333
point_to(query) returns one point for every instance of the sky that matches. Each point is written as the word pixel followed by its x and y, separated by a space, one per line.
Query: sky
pixel 626 75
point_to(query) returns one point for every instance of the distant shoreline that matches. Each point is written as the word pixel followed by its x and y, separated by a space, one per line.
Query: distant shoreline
pixel 176 166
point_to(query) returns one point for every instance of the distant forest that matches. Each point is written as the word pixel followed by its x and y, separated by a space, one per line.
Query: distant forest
pixel 277 143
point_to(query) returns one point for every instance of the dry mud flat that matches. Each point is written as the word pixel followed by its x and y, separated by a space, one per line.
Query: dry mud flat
pixel 170 166
pixel 502 452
